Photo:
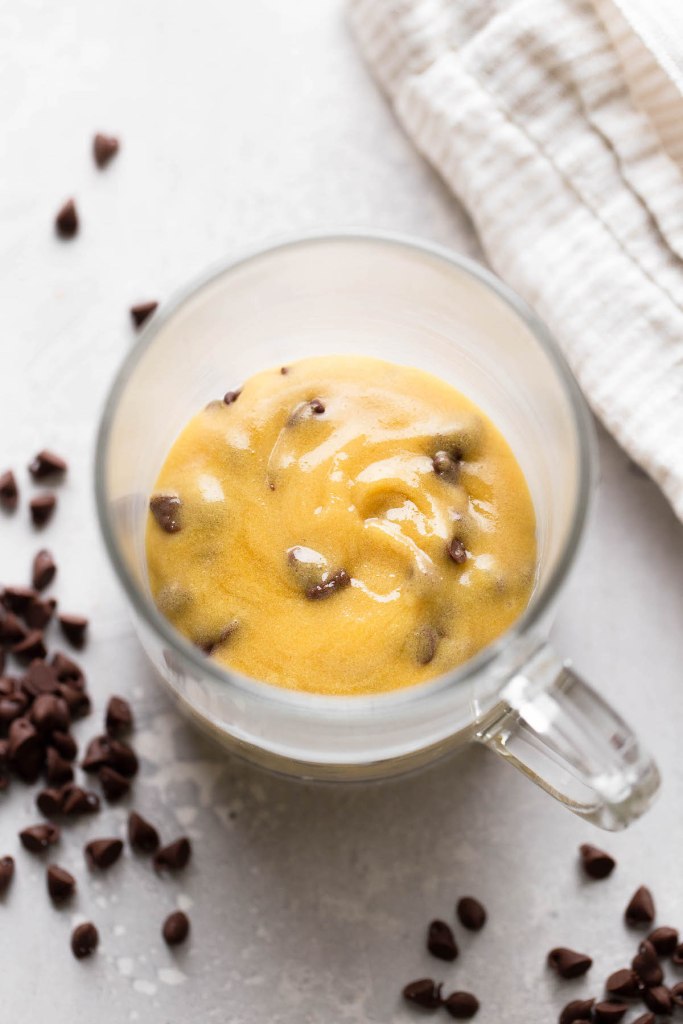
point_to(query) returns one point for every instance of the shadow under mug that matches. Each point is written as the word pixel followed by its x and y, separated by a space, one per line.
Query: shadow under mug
pixel 409 303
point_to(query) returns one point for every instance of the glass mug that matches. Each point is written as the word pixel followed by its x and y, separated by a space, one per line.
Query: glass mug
pixel 410 303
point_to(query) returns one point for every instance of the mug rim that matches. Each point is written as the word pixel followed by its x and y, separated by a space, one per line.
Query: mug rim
pixel 350 703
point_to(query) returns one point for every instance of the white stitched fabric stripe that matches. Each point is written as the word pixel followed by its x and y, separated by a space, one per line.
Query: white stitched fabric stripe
pixel 524 108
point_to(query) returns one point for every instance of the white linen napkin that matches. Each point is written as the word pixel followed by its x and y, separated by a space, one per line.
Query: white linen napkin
pixel 570 164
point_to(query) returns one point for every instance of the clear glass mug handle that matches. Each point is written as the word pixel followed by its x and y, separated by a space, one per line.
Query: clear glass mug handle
pixel 561 734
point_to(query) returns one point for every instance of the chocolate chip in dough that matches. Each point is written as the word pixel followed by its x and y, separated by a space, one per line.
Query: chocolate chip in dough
pixel 174 856
pixel 142 312
pixel 44 569
pixel 596 863
pixel 457 551
pixel 658 999
pixel 37 838
pixel 230 397
pixel 578 1009
pixel 641 909
pixel 60 884
pixel 166 509
pixel 664 940
pixel 424 642
pixel 84 940
pixel 176 928
pixel 142 835
pixel 623 983
pixel 66 221
pixel 42 508
pixel 441 941
pixel 568 963
pixel 6 873
pixel 104 149
pixel 330 585
pixel 609 1013
pixel 647 966
pixel 9 492
pixel 118 716
pixel 424 992
pixel 47 464
pixel 446 467
pixel 102 853
pixel 471 913
pixel 461 1005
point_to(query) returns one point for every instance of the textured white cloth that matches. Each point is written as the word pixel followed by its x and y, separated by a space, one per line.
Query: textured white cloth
pixel 570 164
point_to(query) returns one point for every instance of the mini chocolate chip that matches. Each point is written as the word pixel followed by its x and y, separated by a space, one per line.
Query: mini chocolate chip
pixel 12 629
pixel 39 613
pixel 57 768
pixel 677 994
pixel 77 701
pixel 142 835
pixel 32 646
pixel 623 983
pixel 456 551
pixel 65 744
pixel 471 913
pixel 441 941
pixel 60 884
pixel 596 863
pixel 114 785
pixel 118 717
pixel 9 492
pixel 609 1013
pixel 84 940
pixel 41 508
pixel 37 838
pixel 209 646
pixel 424 992
pixel 658 999
pixel 104 149
pixel 284 370
pixel 142 311
pixel 569 964
pixel 174 856
pixel 578 1009
pixel 49 802
pixel 339 580
pixel 446 467
pixel 677 956
pixel 231 396
pixel 664 940
pixel 305 410
pixel 18 599
pixel 25 749
pixel 44 569
pixel 50 713
pixel 423 644
pixel 77 800
pixel 646 965
pixel 176 928
pixel 74 628
pixel 66 221
pixel 641 909
pixel 40 678
pixel 67 670
pixel 102 853
pixel 46 464
pixel 166 509
pixel 6 873
pixel 461 1005
pixel 317 407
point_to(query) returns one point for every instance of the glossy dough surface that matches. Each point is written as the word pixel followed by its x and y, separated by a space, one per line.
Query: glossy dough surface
pixel 348 526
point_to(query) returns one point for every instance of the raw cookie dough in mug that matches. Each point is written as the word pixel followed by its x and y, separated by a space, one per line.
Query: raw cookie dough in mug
pixel 341 526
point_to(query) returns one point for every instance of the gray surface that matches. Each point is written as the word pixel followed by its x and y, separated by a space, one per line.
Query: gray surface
pixel 240 122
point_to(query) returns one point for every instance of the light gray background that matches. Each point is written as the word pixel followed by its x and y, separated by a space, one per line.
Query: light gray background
pixel 243 121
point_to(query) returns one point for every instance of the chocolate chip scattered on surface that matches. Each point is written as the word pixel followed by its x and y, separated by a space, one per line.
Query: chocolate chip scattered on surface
pixel 9 491
pixel 176 928
pixel 471 913
pixel 142 835
pixel 568 963
pixel 66 220
pixel 42 508
pixel 102 853
pixel 84 940
pixel 60 884
pixel 142 312
pixel 104 149
pixel 424 992
pixel 174 856
pixel 641 908
pixel 596 863
pixel 441 941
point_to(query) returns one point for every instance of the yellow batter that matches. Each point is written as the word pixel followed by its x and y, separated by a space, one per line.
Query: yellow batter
pixel 341 526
